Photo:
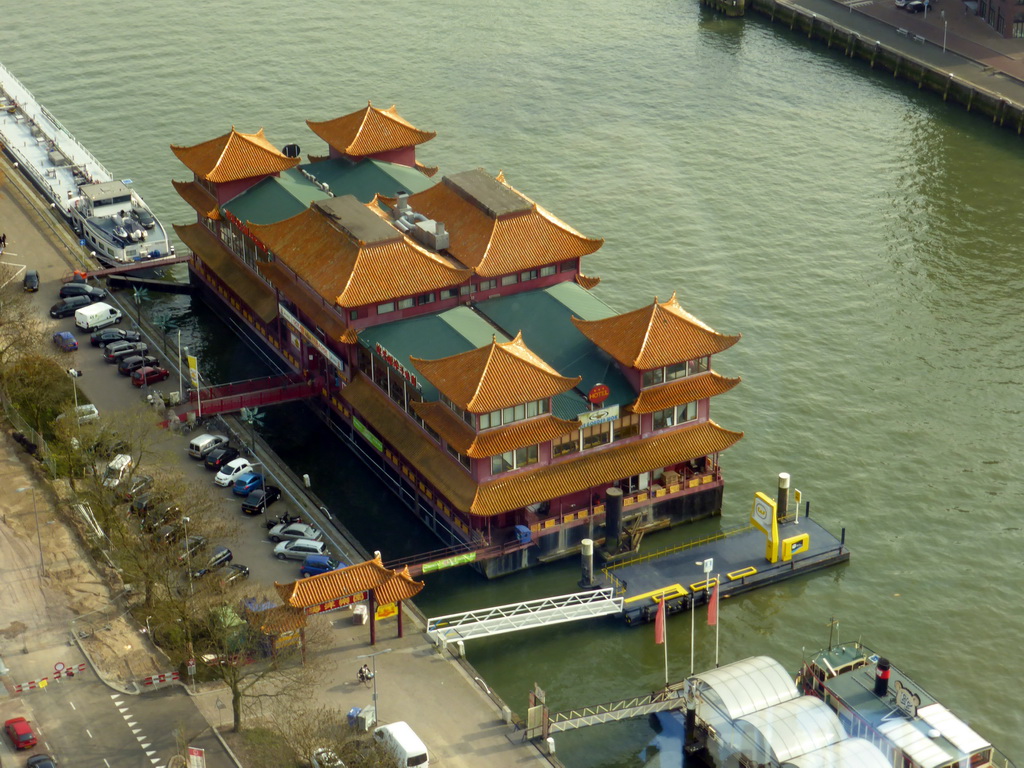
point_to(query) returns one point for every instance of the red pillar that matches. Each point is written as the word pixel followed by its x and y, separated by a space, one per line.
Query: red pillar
pixel 372 601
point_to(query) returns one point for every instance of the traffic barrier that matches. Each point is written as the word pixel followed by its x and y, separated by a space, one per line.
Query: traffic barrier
pixel 163 677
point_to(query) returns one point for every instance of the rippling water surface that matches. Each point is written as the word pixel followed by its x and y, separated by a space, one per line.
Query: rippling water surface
pixel 864 237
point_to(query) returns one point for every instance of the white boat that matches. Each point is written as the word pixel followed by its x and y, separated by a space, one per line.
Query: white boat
pixel 108 215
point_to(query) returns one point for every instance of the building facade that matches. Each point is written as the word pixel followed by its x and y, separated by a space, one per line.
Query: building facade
pixel 456 343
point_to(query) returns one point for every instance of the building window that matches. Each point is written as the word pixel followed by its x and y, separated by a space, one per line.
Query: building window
pixel 353 314
pixel 530 274
pixel 677 371
pixel 426 298
pixel 383 309
pixel 513 414
pixel 547 271
pixel 467 289
pixel 449 293
pixel 486 285
pixel 462 458
pixel 509 280
pixel 680 414
pixel 567 266
pixel 565 444
pixel 599 434
pixel 517 459
pixel 406 304
pixel 657 376
pixel 627 426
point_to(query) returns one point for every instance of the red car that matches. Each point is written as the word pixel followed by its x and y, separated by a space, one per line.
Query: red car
pixel 150 374
pixel 20 733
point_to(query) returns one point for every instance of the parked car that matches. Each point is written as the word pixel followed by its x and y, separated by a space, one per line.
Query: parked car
pixel 41 761
pixel 149 374
pixel 114 353
pixel 221 555
pixel 86 413
pixel 297 549
pixel 82 289
pixel 256 503
pixel 31 281
pixel 917 6
pixel 231 471
pixel 108 335
pixel 20 733
pixel 144 217
pixel 190 547
pixel 137 485
pixel 247 483
pixel 162 516
pixel 316 564
pixel 65 341
pixel 68 307
pixel 145 501
pixel 294 531
pixel 134 362
pixel 218 457
pixel 233 572
pixel 201 445
pixel 170 533
pixel 324 757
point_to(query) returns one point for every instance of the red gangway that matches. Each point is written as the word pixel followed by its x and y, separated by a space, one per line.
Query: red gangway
pixel 226 398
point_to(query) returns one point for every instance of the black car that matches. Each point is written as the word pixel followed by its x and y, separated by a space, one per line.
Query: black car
pixel 67 307
pixel 82 289
pixel 256 503
pixel 234 572
pixel 218 457
pixel 137 485
pixel 162 516
pixel 110 335
pixel 134 362
pixel 145 501
pixel 221 555
pixel 31 281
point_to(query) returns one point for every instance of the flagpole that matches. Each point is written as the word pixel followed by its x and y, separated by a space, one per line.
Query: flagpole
pixel 666 648
pixel 693 611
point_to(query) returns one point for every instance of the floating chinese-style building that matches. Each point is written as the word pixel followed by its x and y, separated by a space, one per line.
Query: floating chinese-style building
pixel 456 343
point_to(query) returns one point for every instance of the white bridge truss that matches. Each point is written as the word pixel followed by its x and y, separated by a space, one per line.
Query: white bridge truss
pixel 639 706
pixel 516 616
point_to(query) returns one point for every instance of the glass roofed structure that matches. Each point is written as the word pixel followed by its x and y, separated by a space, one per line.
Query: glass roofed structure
pixel 454 338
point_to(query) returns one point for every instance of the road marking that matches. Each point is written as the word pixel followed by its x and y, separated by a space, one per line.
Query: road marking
pixel 72 705
pixel 106 763
pixel 19 269
pixel 88 733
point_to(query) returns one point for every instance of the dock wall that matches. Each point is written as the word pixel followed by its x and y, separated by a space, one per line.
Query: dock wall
pixel 974 98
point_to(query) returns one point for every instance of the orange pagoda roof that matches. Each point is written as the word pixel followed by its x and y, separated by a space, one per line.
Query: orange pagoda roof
pixel 654 336
pixel 478 445
pixel 369 131
pixel 199 198
pixel 234 156
pixel 497 376
pixel 389 586
pixel 351 256
pixel 496 230
pixel 681 391
pixel 595 469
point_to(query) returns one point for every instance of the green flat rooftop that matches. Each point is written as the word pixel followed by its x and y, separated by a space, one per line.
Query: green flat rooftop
pixel 277 198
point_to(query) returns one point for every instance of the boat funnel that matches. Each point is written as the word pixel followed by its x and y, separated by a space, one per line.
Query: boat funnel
pixel 882 678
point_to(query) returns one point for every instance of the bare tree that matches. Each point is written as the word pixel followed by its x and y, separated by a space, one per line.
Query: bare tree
pixel 304 728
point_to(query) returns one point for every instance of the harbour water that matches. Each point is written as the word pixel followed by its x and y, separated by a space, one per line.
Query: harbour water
pixel 863 236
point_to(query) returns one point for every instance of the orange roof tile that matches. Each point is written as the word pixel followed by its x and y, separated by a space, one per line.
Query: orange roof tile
pixel 587 282
pixel 199 198
pixel 600 468
pixel 278 620
pixel 497 376
pixel 234 156
pixel 681 391
pixel 388 585
pixel 654 336
pixel 325 318
pixel 369 131
pixel 478 445
pixel 426 170
pixel 242 280
pixel 496 230
pixel 352 257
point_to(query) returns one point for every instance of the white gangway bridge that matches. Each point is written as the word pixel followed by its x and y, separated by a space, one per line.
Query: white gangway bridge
pixel 516 616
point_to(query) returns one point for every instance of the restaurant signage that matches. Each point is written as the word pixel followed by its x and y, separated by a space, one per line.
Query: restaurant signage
pixel 309 336
pixel 600 416
pixel 393 362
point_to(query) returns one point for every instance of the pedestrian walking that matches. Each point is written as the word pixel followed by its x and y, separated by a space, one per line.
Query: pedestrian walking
pixel 3 240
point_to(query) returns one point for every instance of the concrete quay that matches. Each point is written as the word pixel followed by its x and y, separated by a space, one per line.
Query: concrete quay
pixel 462 722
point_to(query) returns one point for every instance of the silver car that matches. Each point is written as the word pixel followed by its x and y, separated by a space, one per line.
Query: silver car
pixel 297 549
pixel 294 531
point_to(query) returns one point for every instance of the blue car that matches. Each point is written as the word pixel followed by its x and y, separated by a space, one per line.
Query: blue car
pixel 247 483
pixel 65 341
pixel 314 564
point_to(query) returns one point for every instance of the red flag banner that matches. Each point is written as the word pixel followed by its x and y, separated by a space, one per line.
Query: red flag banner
pixel 659 624
pixel 713 606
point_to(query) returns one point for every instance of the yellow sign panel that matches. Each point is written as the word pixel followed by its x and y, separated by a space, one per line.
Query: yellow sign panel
pixel 764 516
pixel 193 371
pixel 386 611
pixel 794 545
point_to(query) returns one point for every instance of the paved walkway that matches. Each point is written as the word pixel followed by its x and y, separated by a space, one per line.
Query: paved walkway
pixel 973 51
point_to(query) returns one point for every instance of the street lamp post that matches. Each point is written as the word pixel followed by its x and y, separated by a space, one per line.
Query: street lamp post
pixel 74 374
pixel 945 29
pixel 188 556
pixel 35 514
pixel 373 656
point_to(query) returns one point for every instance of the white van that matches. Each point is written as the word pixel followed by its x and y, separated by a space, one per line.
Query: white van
pixel 403 744
pixel 198 447
pixel 117 470
pixel 96 316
